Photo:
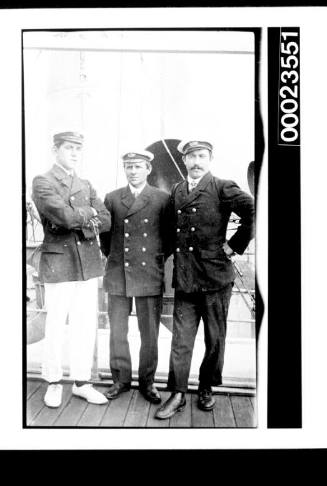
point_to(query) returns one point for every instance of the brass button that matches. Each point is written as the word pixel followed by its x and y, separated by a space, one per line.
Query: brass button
pixel 126 250
pixel 193 210
pixel 78 242
pixel 126 220
pixel 145 235
pixel 72 198
pixel 178 230
pixel 191 248
pixel 143 264
pixel 192 229
pixel 91 243
pixel 126 264
pixel 179 211
pixel 126 235
pixel 146 220
pixel 178 250
pixel 143 249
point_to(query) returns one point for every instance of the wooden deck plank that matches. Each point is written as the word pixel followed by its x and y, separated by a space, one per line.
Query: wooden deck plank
pixel 243 411
pixel 116 411
pixel 31 387
pixel 138 411
pixel 152 421
pixel 72 412
pixel 93 414
pixel 35 403
pixel 132 410
pixel 184 418
pixel 200 418
pixel 223 412
pixel 48 416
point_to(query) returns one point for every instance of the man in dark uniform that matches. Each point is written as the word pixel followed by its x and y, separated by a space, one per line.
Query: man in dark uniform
pixel 72 216
pixel 203 273
pixel 135 247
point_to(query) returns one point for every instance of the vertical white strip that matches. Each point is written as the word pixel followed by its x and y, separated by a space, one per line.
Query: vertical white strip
pixel 262 240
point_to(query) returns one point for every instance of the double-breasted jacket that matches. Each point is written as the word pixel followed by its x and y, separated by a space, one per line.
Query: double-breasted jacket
pixel 199 222
pixel 136 244
pixel 70 250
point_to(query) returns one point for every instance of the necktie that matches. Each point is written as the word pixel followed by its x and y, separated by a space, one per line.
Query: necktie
pixel 135 194
pixel 192 185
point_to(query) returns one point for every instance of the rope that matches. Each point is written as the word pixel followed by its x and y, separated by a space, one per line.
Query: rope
pixel 172 158
pixel 240 275
pixel 251 309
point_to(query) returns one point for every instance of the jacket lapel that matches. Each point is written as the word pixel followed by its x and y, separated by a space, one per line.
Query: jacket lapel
pixel 77 184
pixel 127 197
pixel 186 198
pixel 140 202
pixel 61 176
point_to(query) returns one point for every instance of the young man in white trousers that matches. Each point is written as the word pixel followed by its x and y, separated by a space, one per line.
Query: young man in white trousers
pixel 72 217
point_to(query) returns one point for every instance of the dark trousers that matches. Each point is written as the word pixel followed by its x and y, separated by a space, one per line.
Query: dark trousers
pixel 148 311
pixel 212 307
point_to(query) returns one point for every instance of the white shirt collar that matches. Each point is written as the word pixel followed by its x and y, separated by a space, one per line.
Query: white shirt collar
pixel 137 190
pixel 194 182
pixel 68 171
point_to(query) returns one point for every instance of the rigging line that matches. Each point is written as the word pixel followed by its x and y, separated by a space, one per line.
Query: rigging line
pixel 172 158
pixel 119 116
pixel 246 302
pixel 242 281
pixel 247 291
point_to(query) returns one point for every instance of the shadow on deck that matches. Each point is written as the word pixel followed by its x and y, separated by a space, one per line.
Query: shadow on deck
pixel 132 410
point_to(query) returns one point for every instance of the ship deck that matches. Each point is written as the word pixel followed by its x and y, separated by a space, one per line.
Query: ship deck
pixel 131 410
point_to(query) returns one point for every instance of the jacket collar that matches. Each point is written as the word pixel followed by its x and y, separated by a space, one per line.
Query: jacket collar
pixel 183 197
pixel 61 175
pixel 133 204
pixel 74 183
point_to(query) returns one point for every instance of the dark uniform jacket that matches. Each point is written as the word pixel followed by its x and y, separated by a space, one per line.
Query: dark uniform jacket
pixel 198 231
pixel 135 245
pixel 70 251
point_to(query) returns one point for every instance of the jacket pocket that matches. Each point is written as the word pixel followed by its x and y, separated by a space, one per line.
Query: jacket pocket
pixel 217 255
pixel 211 254
pixel 51 248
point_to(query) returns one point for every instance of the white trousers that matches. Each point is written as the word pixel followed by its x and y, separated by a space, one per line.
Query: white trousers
pixel 78 301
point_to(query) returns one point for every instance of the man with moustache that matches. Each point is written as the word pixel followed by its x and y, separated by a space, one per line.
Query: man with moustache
pixel 203 275
pixel 72 216
pixel 136 250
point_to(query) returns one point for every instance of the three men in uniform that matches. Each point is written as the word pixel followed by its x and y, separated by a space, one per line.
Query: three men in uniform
pixel 139 227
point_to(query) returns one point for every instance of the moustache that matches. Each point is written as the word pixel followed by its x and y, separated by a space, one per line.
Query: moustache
pixel 196 167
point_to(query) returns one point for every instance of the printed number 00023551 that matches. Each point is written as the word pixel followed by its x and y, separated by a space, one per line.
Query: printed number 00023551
pixel 289 91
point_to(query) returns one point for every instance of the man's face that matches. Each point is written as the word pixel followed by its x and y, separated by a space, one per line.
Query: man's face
pixel 68 154
pixel 136 172
pixel 197 163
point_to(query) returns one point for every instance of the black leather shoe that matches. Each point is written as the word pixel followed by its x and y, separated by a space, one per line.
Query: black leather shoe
pixel 206 402
pixel 116 389
pixel 151 394
pixel 175 403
